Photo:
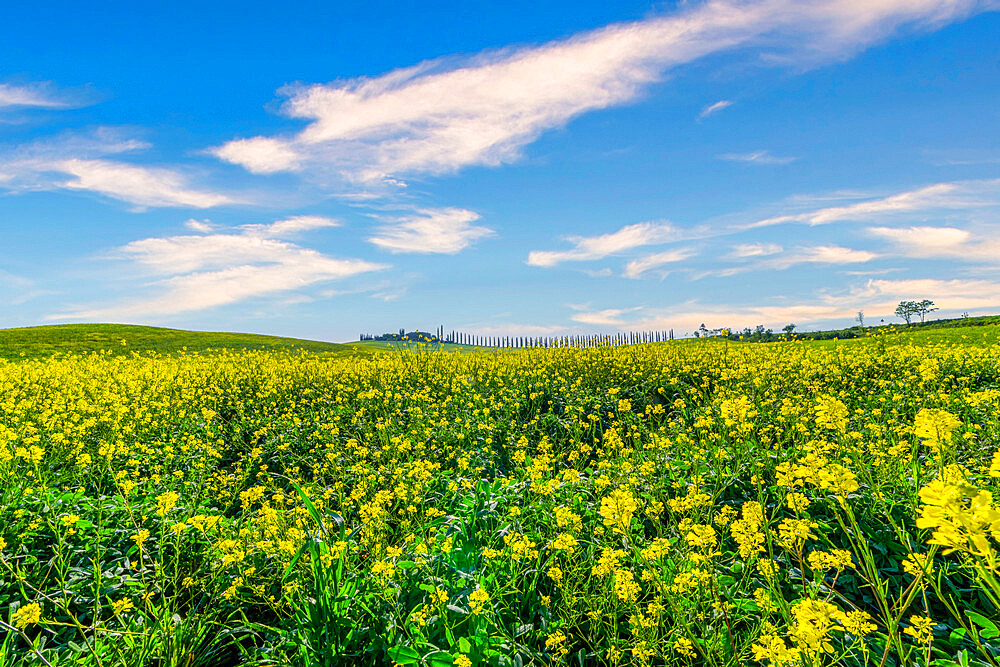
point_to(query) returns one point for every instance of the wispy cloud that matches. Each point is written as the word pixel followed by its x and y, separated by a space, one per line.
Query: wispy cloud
pixel 758 158
pixel 199 272
pixel 586 248
pixel 755 250
pixel 291 227
pixel 607 317
pixel 923 241
pixel 40 96
pixel 439 116
pixel 951 196
pixel 201 226
pixel 822 254
pixel 441 230
pixel 9 279
pixel 516 329
pixel 16 290
pixel 637 268
pixel 142 186
pixel 45 164
pixel 712 108
pixel 923 238
pixel 818 254
pixel 962 157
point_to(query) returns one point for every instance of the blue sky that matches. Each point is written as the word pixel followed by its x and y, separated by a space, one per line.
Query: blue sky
pixel 326 169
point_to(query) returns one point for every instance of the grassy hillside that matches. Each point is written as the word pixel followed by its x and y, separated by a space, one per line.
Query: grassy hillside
pixel 28 342
pixel 44 341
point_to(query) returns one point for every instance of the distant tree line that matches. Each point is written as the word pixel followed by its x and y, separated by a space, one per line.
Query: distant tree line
pixel 906 309
pixel 481 340
pixel 912 308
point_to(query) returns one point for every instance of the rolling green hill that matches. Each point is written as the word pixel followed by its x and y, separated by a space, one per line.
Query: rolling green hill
pixel 44 341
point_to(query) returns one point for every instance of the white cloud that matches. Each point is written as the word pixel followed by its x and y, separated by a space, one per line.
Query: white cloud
pixel 260 155
pixel 182 254
pixel 757 157
pixel 712 108
pixel 38 95
pixel 202 226
pixel 391 293
pixel 607 317
pixel 922 237
pixel 957 195
pixel 922 241
pixel 44 165
pixel 954 295
pixel 210 289
pixel 638 267
pixel 755 250
pixel 291 227
pixel 823 254
pixel 818 254
pixel 597 247
pixel 440 116
pixel 143 186
pixel 514 329
pixel 41 154
pixel 442 230
pixel 197 272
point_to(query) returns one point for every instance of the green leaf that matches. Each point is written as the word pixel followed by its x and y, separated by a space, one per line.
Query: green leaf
pixel 464 646
pixel 989 628
pixel 404 655
pixel 439 659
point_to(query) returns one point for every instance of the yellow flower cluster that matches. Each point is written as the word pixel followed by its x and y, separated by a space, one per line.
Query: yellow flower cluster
pixel 692 502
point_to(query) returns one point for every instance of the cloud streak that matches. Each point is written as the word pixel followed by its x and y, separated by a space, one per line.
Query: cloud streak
pixel 204 271
pixel 758 158
pixel 712 108
pixel 637 268
pixel 818 254
pixel 430 231
pixel 928 242
pixel 37 95
pixel 439 116
pixel 82 162
pixel 951 196
pixel 142 186
pixel 597 247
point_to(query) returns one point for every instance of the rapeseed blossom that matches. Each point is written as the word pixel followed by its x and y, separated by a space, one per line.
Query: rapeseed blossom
pixel 635 504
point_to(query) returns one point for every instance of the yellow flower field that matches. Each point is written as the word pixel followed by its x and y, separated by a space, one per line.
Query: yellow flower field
pixel 683 503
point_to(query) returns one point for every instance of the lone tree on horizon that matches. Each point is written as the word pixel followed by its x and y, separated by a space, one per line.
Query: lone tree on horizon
pixel 907 309
pixel 924 308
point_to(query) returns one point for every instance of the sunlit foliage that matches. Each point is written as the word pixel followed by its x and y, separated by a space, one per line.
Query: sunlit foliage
pixel 709 503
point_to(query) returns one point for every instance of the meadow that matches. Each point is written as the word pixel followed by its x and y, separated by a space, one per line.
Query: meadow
pixel 700 502
pixel 46 341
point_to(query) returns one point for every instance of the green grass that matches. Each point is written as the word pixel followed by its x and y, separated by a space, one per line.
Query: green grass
pixel 44 341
